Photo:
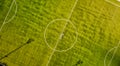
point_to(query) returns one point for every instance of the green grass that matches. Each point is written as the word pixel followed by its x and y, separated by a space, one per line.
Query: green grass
pixel 97 24
pixel 115 2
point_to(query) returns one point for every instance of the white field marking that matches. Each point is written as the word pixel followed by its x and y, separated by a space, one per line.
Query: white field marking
pixel 107 55
pixel 62 33
pixel 14 14
pixel 73 9
pixel 112 48
pixel 53 50
pixel 115 50
pixel 113 3
pixel 5 22
pixel 60 37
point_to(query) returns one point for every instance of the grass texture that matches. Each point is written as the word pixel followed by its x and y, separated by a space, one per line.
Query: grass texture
pixel 97 23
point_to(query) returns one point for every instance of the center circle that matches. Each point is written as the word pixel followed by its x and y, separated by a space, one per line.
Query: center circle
pixel 58 25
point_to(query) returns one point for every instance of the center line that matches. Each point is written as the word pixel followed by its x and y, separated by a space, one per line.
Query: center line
pixel 62 33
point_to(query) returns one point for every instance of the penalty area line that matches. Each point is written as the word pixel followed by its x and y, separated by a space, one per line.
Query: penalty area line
pixel 4 22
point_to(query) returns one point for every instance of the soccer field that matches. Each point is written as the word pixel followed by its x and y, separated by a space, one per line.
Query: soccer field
pixel 59 33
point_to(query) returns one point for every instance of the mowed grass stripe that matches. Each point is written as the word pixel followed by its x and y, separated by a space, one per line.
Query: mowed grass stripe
pixel 41 50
